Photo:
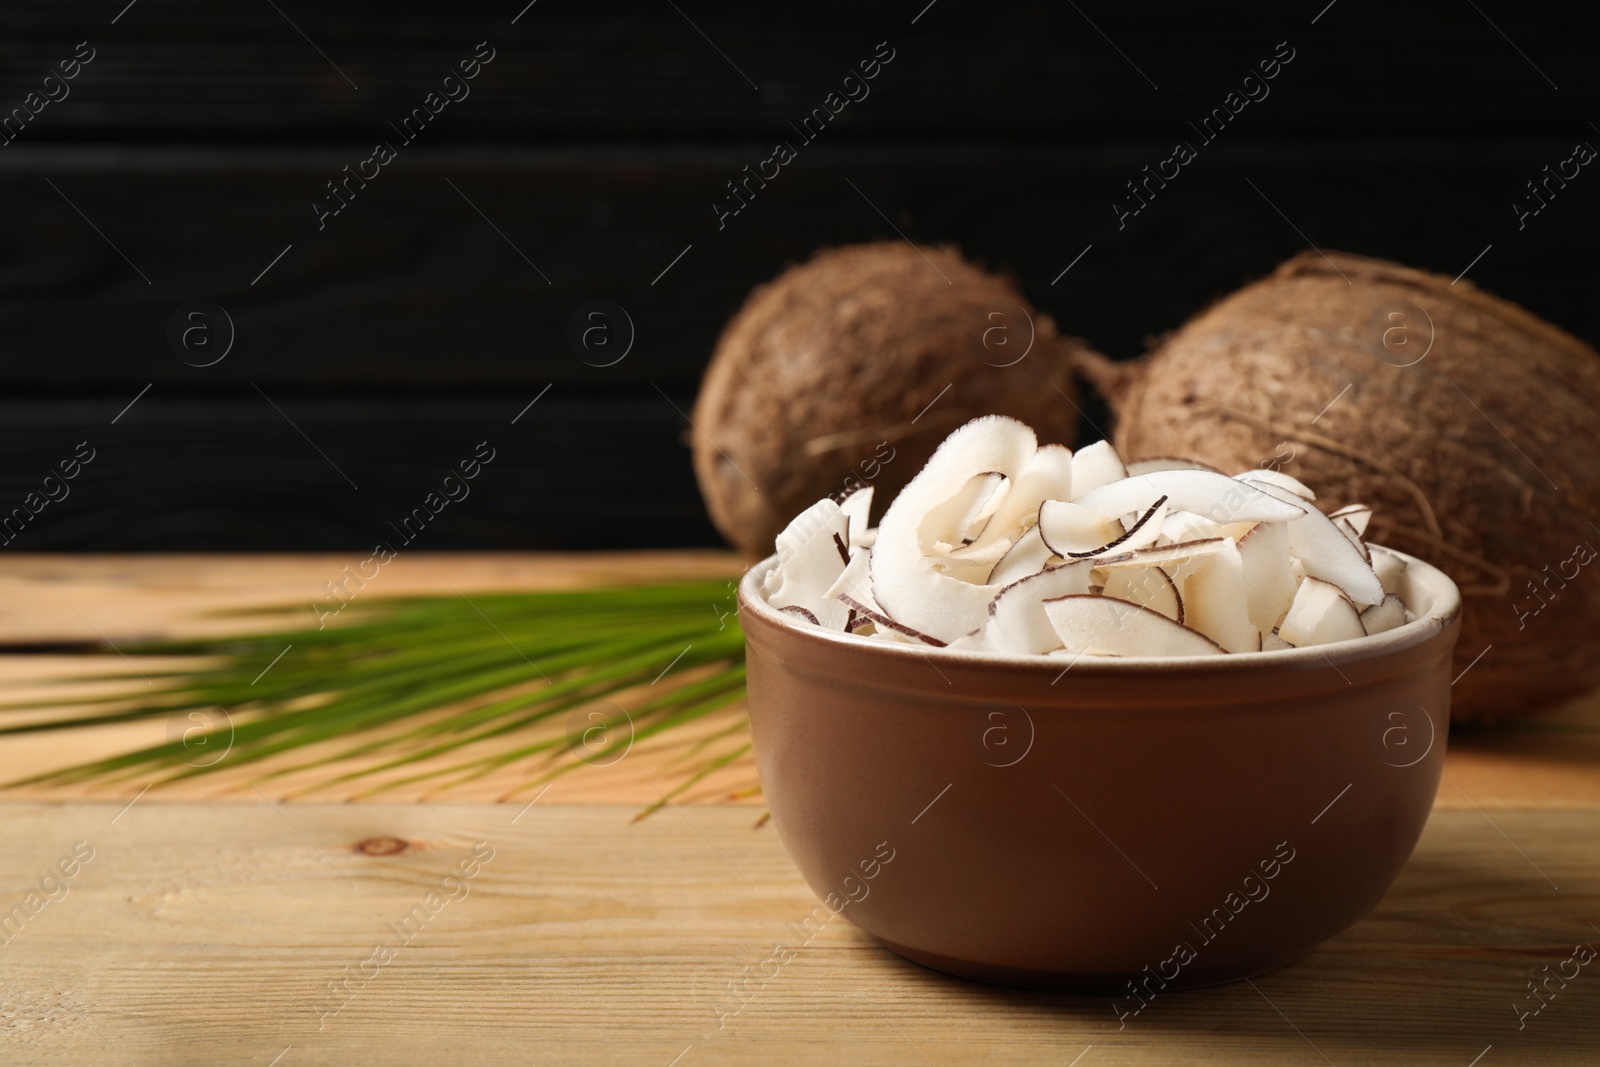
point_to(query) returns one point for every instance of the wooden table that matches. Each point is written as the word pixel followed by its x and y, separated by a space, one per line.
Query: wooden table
pixel 199 932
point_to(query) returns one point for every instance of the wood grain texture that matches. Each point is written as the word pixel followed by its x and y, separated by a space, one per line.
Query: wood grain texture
pixel 410 329
pixel 243 473
pixel 188 155
pixel 200 935
pixel 1549 762
pixel 54 599
pixel 1030 70
pixel 209 933
pixel 410 288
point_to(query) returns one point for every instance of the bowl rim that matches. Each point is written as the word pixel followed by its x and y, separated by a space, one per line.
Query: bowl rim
pixel 1444 610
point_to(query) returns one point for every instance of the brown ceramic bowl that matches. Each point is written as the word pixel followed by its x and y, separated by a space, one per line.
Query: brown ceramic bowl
pixel 1125 824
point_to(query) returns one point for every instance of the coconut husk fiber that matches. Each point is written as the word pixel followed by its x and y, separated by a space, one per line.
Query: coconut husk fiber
pixel 1470 425
pixel 865 352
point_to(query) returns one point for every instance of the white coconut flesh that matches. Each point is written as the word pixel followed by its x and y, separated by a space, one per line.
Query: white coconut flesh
pixel 852 590
pixel 1352 522
pixel 1096 465
pixel 1211 581
pixel 1356 515
pixel 1075 532
pixel 856 507
pixel 854 581
pixel 1028 556
pixel 1001 545
pixel 1271 642
pixel 800 613
pixel 886 634
pixel 906 580
pixel 965 514
pixel 1269 577
pixel 1327 553
pixel 1180 526
pixel 1385 616
pixel 1159 555
pixel 813 551
pixel 1017 622
pixel 1320 615
pixel 1046 476
pixel 1147 586
pixel 1106 626
pixel 1067 528
pixel 1390 569
pixel 883 623
pixel 1278 480
pixel 1212 496
pixel 1354 538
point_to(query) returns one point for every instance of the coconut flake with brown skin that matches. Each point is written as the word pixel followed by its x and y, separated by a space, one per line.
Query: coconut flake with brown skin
pixel 1029 555
pixel 1213 496
pixel 1320 615
pixel 911 578
pixel 1105 626
pixel 1467 422
pixel 1017 622
pixel 1073 531
pixel 1210 576
pixel 1046 476
pixel 1269 578
pixel 1326 552
pixel 1385 616
pixel 971 555
pixel 856 508
pixel 1148 586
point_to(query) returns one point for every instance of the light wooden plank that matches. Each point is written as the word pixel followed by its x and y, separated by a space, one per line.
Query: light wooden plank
pixel 648 765
pixel 204 935
pixel 86 598
pixel 1549 761
pixel 59 598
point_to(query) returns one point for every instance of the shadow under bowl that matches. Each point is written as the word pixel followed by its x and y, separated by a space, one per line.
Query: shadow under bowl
pixel 1126 824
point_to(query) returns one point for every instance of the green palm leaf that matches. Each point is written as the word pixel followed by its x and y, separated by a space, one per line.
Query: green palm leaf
pixel 451 687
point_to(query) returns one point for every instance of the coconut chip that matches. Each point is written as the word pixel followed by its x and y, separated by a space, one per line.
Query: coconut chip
pixel 856 507
pixel 813 551
pixel 1029 555
pixel 1017 621
pixel 1106 626
pixel 1001 545
pixel 1320 615
pixel 1385 616
pixel 1072 531
pixel 1148 586
pixel 1325 552
pixel 1096 465
pixel 913 581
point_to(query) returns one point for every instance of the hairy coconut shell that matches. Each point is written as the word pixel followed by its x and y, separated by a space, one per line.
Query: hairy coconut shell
pixel 1469 424
pixel 860 346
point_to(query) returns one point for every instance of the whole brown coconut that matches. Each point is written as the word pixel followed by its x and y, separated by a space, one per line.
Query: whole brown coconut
pixel 1469 424
pixel 850 369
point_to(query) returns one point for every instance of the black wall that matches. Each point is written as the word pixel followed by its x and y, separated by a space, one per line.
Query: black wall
pixel 380 350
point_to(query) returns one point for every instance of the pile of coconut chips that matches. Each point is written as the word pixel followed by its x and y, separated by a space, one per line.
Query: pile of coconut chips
pixel 1001 544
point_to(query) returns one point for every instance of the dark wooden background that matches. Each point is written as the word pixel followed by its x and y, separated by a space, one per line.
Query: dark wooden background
pixel 409 330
